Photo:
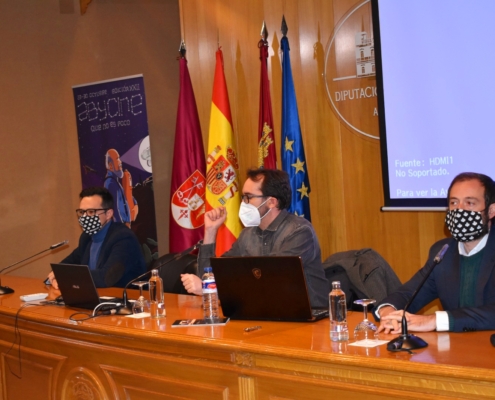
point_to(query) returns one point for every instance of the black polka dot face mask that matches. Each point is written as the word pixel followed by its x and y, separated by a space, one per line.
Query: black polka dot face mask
pixel 465 225
pixel 90 225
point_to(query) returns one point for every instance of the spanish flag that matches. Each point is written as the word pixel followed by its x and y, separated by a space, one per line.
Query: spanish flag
pixel 222 166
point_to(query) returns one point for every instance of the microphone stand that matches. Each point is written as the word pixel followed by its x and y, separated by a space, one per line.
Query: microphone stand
pixel 407 341
pixel 8 290
pixel 126 310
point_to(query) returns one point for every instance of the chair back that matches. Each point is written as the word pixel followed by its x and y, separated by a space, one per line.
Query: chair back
pixel 365 273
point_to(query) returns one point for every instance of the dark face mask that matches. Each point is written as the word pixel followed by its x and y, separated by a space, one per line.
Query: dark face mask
pixel 464 225
pixel 90 225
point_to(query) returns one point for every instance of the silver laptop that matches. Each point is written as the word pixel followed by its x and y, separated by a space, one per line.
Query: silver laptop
pixel 264 288
pixel 77 286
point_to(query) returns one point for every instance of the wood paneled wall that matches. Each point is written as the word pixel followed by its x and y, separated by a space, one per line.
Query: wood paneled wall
pixel 47 47
pixel 344 166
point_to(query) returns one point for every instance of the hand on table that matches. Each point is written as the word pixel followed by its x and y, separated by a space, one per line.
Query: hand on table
pixel 390 322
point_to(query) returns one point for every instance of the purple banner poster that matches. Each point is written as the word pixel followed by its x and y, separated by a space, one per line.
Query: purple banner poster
pixel 114 148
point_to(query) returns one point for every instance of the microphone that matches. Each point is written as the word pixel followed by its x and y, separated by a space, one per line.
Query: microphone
pixel 6 289
pixel 126 310
pixel 57 245
pixel 407 341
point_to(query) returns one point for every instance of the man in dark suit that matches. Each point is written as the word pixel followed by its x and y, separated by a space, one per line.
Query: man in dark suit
pixel 110 249
pixel 464 281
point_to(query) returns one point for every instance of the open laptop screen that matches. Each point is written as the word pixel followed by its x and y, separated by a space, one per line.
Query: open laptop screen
pixel 76 285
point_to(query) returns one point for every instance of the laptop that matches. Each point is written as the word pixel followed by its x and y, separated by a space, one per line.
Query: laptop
pixel 264 288
pixel 77 286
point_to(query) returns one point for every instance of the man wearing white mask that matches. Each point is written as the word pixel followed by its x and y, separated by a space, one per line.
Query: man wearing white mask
pixel 270 231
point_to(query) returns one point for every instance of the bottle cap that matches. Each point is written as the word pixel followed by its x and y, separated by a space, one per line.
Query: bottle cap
pixel 208 269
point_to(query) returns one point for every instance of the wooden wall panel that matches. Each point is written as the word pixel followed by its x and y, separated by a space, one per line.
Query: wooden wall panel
pixel 344 166
pixel 47 47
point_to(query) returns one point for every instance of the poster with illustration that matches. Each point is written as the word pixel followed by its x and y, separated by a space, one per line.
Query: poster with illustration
pixel 114 148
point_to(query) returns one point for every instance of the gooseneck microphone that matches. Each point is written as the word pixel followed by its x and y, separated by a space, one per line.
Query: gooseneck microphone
pixel 406 341
pixel 6 289
pixel 126 310
pixel 56 245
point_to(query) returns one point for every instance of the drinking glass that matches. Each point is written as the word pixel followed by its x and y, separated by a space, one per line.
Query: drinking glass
pixel 365 329
pixel 141 305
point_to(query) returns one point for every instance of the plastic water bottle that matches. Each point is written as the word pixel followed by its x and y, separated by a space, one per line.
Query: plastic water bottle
pixel 338 314
pixel 157 304
pixel 210 296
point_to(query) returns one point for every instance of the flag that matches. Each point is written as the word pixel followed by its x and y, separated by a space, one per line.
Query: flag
pixel 187 203
pixel 293 158
pixel 222 167
pixel 267 156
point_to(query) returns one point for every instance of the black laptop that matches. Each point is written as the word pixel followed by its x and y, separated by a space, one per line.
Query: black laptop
pixel 77 286
pixel 264 288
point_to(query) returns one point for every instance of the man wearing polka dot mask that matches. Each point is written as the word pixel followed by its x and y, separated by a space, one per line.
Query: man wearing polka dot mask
pixel 110 249
pixel 464 281
pixel 92 217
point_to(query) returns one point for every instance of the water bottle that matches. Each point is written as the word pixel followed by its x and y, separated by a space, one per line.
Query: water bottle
pixel 210 296
pixel 157 304
pixel 338 314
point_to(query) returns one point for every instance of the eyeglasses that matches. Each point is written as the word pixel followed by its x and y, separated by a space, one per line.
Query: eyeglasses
pixel 90 212
pixel 246 198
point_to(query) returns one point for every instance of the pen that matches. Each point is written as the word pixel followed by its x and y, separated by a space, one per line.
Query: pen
pixel 252 328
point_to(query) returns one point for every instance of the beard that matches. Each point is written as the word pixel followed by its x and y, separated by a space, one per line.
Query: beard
pixel 486 220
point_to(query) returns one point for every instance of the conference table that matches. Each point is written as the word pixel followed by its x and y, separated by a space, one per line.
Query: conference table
pixel 47 355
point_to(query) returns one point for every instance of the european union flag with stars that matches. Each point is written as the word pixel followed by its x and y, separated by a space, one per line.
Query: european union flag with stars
pixel 293 158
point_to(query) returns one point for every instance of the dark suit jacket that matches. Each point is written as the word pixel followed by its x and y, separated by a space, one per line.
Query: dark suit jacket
pixel 120 259
pixel 444 284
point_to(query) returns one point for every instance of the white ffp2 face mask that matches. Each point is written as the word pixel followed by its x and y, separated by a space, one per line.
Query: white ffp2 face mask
pixel 250 215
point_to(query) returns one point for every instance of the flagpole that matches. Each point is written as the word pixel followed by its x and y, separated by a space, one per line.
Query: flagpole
pixel 181 14
pixel 284 27
pixel 182 49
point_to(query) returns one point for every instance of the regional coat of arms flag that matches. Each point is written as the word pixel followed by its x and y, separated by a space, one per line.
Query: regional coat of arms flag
pixel 187 203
